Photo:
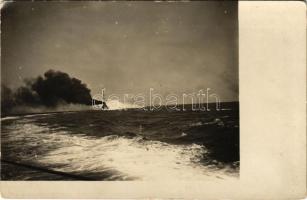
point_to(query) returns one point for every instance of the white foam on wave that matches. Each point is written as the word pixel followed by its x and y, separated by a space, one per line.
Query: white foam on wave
pixel 144 160
pixel 117 105
pixel 132 158
pixel 28 115
pixel 8 118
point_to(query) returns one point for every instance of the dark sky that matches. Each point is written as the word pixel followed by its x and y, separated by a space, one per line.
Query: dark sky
pixel 126 47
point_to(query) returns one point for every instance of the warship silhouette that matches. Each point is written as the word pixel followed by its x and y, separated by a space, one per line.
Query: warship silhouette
pixel 101 104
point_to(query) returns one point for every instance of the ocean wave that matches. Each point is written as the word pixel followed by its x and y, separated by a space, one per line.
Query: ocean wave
pixel 216 121
pixel 44 109
pixel 8 118
pixel 124 158
pixel 117 105
pixel 132 158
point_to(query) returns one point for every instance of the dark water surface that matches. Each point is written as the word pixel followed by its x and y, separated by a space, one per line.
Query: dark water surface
pixel 122 145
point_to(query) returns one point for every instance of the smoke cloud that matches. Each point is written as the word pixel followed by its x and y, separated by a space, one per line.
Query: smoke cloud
pixel 57 87
pixel 52 91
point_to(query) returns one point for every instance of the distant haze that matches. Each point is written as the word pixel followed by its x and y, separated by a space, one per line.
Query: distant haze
pixel 125 47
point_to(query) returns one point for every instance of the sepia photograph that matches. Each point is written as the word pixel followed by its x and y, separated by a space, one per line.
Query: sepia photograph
pixel 120 91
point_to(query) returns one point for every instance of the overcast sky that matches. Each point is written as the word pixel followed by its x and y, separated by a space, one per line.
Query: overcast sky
pixel 126 47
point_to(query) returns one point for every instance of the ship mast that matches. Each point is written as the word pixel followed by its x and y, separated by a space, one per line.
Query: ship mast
pixel 102 94
pixel 104 104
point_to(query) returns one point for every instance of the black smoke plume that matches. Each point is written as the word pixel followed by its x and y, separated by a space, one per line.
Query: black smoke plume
pixel 50 90
pixel 7 99
pixel 56 87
